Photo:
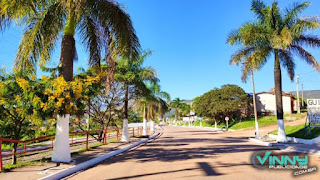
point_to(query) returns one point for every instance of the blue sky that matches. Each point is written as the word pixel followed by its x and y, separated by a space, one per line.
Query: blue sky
pixel 188 38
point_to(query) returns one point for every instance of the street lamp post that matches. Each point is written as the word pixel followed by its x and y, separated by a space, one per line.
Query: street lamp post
pixel 257 135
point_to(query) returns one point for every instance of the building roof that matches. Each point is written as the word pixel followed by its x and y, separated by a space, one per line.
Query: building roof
pixel 272 92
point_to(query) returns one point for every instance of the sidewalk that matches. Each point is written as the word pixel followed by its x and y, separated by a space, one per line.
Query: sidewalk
pixel 40 170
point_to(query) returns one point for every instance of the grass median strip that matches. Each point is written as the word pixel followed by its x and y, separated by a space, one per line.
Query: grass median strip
pixel 299 131
pixel 248 123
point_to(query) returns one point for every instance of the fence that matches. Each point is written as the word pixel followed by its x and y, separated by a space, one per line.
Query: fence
pixel 104 136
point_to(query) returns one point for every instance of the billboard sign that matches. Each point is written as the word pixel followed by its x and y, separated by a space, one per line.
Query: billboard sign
pixel 313 111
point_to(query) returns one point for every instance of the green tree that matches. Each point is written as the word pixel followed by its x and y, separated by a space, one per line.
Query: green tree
pixel 175 104
pixel 152 104
pixel 103 27
pixel 133 76
pixel 17 118
pixel 219 103
pixel 279 34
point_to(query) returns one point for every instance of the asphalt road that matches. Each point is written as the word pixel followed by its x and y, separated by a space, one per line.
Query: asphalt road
pixel 187 153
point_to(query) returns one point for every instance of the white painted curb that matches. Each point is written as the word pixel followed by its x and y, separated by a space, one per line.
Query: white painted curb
pixel 85 165
pixel 260 142
pixel 299 140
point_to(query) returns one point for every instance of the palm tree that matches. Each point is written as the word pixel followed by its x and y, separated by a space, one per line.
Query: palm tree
pixel 185 110
pixel 132 74
pixel 281 35
pixel 103 27
pixel 176 103
pixel 159 105
pixel 152 104
pixel 142 105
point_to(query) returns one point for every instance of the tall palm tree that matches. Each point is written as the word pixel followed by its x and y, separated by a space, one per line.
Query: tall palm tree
pixel 159 105
pixel 133 74
pixel 142 105
pixel 152 105
pixel 185 110
pixel 103 27
pixel 176 103
pixel 278 34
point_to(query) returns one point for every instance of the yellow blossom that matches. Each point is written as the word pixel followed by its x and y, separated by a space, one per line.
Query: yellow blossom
pixel 22 83
pixel 59 103
pixel 60 86
pixel 43 77
pixel 2 101
pixel 47 91
pixel 52 120
pixel 34 112
pixel 33 76
pixel 36 99
pixel 51 98
pixel 17 98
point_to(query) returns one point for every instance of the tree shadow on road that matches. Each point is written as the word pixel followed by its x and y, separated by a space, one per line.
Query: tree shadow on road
pixel 169 150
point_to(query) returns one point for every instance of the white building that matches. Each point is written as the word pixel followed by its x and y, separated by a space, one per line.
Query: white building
pixel 266 103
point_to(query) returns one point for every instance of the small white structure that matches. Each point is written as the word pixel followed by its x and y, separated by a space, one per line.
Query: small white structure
pixel 266 103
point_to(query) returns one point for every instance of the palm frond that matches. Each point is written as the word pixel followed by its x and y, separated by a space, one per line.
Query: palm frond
pixel 306 56
pixel 308 40
pixel 305 24
pixel 253 62
pixel 240 54
pixel 39 39
pixel 258 7
pixel 112 17
pixel 143 56
pixel 287 62
pixel 292 13
pixel 91 36
pixel 234 37
pixel 148 74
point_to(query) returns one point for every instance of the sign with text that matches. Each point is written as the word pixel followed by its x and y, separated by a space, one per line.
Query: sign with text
pixel 313 111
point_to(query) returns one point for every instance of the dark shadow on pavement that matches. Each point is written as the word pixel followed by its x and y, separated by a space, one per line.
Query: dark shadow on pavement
pixel 208 169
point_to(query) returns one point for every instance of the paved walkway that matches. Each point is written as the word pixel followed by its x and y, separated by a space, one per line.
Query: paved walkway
pixel 43 169
pixel 186 153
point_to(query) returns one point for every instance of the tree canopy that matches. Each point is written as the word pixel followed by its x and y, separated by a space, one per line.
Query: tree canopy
pixel 216 104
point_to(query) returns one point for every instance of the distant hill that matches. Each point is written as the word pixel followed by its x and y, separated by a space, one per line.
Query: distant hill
pixel 311 94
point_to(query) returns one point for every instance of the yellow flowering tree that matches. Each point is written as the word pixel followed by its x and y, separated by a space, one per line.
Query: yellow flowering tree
pixel 27 102
pixel 18 117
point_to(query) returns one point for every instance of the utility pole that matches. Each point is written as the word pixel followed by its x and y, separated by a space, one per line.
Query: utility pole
pixel 298 101
pixel 257 135
pixel 302 95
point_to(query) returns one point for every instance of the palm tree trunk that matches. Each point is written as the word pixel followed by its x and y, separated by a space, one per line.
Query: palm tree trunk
pixel 144 132
pixel 125 132
pixel 67 56
pixel 176 120
pixel 152 126
pixel 278 93
pixel 61 148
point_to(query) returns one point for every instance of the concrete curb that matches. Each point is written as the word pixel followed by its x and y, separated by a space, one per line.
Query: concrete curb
pixel 299 140
pixel 260 142
pixel 85 165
